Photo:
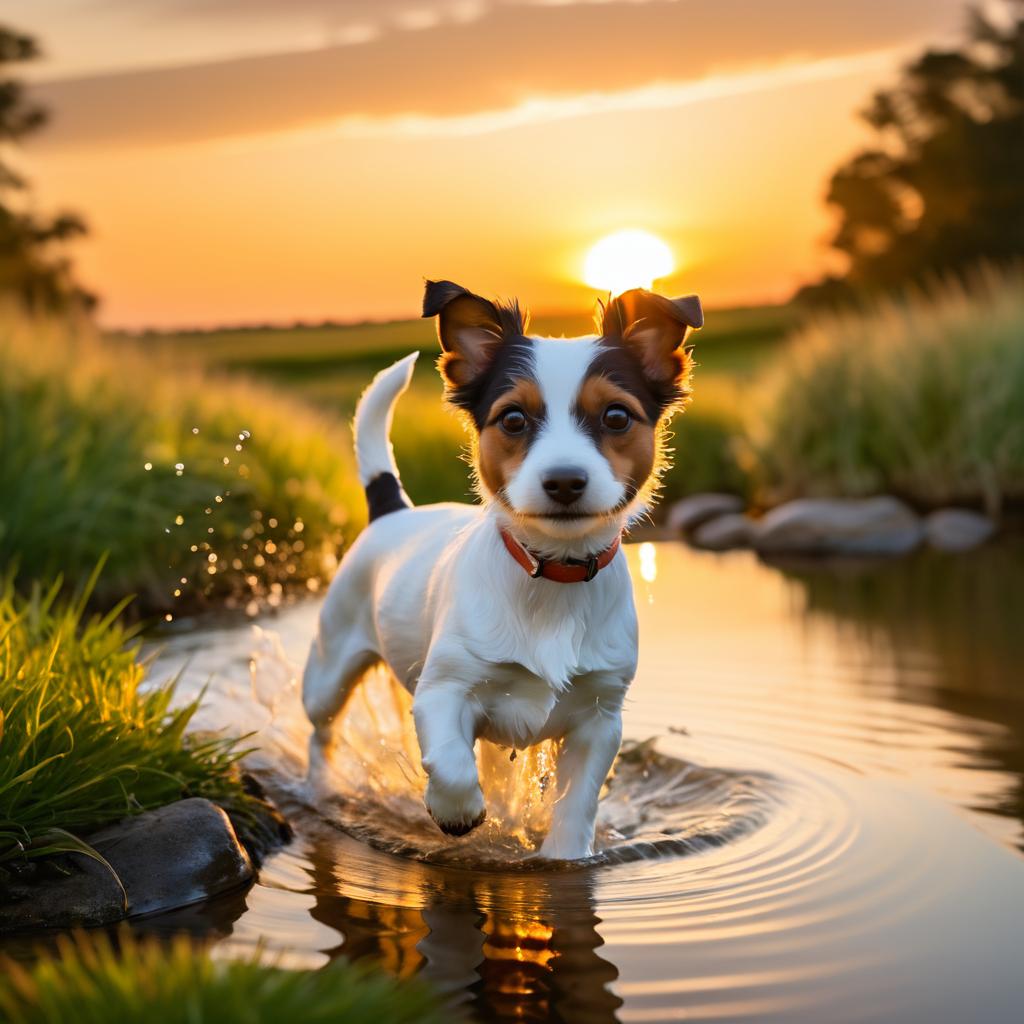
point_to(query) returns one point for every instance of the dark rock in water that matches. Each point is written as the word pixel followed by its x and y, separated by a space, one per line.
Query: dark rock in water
pixel 689 513
pixel 167 858
pixel 60 892
pixel 175 855
pixel 722 533
pixel 958 529
pixel 840 526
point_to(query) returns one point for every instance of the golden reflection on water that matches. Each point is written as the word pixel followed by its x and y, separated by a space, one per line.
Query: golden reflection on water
pixel 514 947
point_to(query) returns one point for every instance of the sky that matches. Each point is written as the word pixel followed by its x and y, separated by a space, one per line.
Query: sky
pixel 246 161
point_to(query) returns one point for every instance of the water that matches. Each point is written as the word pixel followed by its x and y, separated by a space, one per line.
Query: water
pixel 818 818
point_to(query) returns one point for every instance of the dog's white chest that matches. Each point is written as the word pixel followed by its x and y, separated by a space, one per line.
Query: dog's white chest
pixel 515 706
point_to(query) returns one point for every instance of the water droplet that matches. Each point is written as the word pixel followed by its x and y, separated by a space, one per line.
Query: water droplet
pixel 195 430
pixel 227 461
pixel 209 529
pixel 194 548
pixel 148 466
pixel 238 447
pixel 179 520
pixel 218 499
pixel 184 579
pixel 179 466
pixel 168 617
pixel 211 557
pixel 272 523
pixel 177 592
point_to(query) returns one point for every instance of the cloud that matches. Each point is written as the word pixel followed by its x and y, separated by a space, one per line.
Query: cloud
pixel 505 58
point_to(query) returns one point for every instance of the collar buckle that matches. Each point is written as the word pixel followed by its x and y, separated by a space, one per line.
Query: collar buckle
pixel 592 568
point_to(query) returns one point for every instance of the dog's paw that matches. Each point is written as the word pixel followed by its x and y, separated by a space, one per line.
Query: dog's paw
pixel 455 813
pixel 562 846
pixel 452 828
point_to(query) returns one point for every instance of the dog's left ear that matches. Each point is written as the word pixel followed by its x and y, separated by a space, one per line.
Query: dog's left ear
pixel 468 327
pixel 654 329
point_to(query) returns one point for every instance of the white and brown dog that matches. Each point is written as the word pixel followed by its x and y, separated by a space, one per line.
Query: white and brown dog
pixel 512 620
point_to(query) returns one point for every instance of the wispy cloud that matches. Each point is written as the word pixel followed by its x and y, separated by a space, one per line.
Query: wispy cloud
pixel 501 64
pixel 654 97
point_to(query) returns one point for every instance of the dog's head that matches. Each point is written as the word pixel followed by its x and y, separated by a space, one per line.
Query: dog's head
pixel 570 430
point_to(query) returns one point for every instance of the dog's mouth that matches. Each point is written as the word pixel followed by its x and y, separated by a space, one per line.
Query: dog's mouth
pixel 568 515
pixel 564 516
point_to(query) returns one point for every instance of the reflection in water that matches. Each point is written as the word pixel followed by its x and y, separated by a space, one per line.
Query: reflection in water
pixel 829 823
pixel 508 946
pixel 951 628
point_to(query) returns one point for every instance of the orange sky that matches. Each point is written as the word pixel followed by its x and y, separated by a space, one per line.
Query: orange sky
pixel 247 160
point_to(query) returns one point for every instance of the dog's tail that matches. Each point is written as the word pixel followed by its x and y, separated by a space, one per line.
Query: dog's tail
pixel 372 427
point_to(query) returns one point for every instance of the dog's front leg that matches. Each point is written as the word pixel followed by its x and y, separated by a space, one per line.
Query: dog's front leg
pixel 585 758
pixel 446 729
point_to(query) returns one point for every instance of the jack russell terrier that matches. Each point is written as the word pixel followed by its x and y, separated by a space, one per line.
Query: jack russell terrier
pixel 511 620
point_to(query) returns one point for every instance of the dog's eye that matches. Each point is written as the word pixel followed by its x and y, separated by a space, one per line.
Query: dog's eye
pixel 513 421
pixel 616 419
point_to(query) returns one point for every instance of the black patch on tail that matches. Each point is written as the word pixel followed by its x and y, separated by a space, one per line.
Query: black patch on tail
pixel 384 495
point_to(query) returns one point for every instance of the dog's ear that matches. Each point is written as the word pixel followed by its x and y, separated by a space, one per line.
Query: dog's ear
pixel 654 329
pixel 468 327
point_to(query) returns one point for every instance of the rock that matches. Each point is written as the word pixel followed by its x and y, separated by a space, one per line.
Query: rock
pixel 733 530
pixel 175 855
pixel 60 892
pixel 167 858
pixel 957 529
pixel 687 514
pixel 839 526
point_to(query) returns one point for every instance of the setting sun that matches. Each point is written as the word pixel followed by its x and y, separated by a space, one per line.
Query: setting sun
pixel 627 259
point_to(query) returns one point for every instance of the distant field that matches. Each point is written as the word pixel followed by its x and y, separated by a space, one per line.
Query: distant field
pixel 330 365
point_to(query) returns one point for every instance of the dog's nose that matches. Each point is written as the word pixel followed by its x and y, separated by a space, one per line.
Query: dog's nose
pixel 565 484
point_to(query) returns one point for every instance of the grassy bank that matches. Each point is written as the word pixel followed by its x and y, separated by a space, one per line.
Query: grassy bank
pixel 80 745
pixel 190 480
pixel 922 397
pixel 92 981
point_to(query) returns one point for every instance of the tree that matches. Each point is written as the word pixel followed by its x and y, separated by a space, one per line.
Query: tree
pixel 33 268
pixel 944 186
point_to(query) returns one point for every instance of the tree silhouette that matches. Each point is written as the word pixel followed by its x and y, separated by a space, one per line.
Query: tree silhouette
pixel 32 268
pixel 944 186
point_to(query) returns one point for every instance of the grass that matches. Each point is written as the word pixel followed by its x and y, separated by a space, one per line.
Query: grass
pixel 178 472
pixel 922 397
pixel 80 745
pixel 91 981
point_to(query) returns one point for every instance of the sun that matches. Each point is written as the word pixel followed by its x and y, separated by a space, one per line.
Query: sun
pixel 627 259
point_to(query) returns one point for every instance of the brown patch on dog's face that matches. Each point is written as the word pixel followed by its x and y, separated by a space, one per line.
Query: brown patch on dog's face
pixel 631 452
pixel 500 452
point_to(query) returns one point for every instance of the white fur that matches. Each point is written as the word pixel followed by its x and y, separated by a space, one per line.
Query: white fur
pixel 372 425
pixel 485 650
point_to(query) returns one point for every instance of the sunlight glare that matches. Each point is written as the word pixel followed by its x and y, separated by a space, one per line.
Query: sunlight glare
pixel 627 259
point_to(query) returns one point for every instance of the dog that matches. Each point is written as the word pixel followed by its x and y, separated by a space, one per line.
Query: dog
pixel 511 620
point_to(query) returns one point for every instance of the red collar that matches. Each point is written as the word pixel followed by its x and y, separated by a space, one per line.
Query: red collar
pixel 572 570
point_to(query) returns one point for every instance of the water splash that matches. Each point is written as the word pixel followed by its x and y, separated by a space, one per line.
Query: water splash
pixel 655 804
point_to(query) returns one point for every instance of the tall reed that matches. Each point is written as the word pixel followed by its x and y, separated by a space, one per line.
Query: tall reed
pixel 921 396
